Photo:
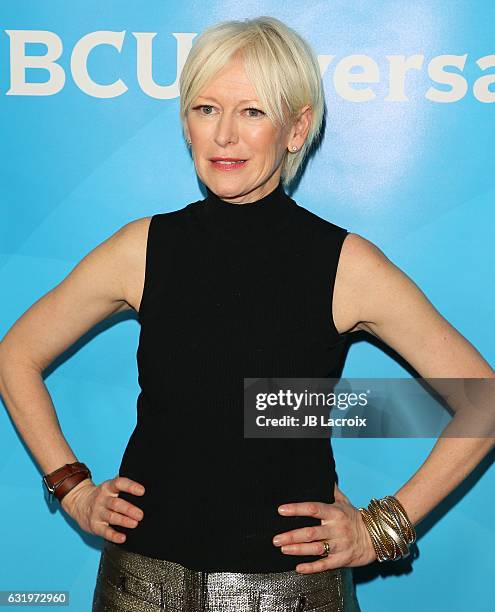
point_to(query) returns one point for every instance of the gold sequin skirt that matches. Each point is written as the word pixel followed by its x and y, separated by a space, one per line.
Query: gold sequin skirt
pixel 129 582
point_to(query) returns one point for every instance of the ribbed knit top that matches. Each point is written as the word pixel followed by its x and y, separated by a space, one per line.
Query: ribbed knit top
pixel 230 291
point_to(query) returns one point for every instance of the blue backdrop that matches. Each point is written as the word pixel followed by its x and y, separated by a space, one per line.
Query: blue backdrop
pixel 91 139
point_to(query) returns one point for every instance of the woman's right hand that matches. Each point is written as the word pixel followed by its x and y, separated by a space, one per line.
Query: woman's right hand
pixel 97 507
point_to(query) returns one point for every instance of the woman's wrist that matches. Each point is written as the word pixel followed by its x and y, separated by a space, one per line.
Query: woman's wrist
pixel 61 481
pixel 389 527
pixel 70 497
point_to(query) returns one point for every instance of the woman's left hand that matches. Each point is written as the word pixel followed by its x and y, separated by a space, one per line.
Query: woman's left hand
pixel 341 526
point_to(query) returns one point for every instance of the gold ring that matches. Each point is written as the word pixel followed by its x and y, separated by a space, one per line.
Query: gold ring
pixel 326 547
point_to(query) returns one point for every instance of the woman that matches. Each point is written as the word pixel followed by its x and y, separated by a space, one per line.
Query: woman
pixel 245 283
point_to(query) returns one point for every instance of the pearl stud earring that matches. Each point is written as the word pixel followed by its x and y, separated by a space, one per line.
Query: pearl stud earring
pixel 293 148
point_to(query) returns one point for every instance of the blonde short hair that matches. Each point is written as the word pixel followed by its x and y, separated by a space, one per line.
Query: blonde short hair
pixel 281 65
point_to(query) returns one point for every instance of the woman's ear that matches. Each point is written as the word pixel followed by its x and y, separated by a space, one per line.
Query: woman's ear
pixel 301 126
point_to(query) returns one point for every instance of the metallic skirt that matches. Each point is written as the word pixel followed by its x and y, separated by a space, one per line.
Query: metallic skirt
pixel 129 582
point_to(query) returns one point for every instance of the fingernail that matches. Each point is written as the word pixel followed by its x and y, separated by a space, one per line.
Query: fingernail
pixel 277 541
pixel 283 509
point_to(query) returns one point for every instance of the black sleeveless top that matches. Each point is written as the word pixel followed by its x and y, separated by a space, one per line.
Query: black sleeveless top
pixel 231 291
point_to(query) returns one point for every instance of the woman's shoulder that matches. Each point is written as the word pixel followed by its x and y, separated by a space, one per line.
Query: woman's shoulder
pixel 361 253
pixel 315 221
pixel 134 240
pixel 134 233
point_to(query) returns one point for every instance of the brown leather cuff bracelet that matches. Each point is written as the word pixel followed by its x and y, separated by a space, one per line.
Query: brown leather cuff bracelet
pixel 59 482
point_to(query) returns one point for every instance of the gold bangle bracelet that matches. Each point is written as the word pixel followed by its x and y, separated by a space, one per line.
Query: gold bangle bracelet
pixel 390 543
pixel 389 528
pixel 381 554
pixel 411 532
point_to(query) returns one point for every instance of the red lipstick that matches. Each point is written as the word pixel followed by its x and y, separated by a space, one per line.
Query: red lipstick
pixel 228 163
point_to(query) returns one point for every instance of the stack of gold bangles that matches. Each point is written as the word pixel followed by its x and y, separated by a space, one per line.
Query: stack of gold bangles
pixel 390 529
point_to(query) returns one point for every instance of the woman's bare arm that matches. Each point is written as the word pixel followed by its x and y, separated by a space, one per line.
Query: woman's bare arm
pixel 393 308
pixel 106 281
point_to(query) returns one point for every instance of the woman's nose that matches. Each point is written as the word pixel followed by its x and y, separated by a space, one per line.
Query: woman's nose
pixel 226 130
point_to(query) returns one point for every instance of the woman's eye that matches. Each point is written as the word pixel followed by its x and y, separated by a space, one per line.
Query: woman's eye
pixel 207 109
pixel 208 106
pixel 256 110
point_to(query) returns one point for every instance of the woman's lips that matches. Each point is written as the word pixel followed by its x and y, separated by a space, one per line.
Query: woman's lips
pixel 226 166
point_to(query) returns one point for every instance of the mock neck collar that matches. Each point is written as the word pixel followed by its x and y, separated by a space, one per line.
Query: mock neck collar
pixel 274 199
pixel 251 220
